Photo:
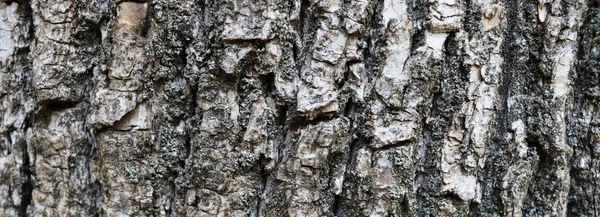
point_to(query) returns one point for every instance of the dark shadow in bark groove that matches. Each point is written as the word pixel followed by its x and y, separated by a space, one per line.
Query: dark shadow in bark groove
pixel 343 81
pixel 336 204
pixel 417 12
pixel 264 178
pixel 393 146
pixel 282 111
pixel 335 161
pixel 374 41
pixel 304 13
pixel 268 84
pixel 54 106
pixel 26 173
pixel 352 111
pixel 349 108
pixel 299 121
pixel 27 184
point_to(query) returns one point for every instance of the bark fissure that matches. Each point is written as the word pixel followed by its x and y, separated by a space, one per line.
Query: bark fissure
pixel 299 108
pixel 27 175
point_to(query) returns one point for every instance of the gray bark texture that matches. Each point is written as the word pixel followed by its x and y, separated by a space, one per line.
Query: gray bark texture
pixel 299 108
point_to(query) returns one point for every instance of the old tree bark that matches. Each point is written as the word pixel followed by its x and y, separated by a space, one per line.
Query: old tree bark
pixel 299 108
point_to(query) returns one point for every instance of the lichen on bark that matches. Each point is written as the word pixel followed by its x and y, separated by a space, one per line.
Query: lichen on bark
pixel 299 107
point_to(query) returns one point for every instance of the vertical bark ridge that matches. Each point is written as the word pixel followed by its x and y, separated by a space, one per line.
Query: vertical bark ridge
pixel 298 108
pixel 582 196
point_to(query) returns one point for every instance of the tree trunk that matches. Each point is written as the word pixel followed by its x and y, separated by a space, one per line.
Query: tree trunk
pixel 299 107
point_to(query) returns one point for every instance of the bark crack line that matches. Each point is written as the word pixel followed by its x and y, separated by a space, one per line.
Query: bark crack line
pixel 26 173
pixel 354 144
pixel 195 112
pixel 351 150
pixel 264 177
pixel 193 108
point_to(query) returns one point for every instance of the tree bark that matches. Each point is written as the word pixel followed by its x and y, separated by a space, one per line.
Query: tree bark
pixel 299 107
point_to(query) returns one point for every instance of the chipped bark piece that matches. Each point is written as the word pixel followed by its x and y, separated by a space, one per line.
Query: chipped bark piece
pixel 112 105
pixel 137 119
pixel 354 48
pixel 330 46
pixel 130 63
pixel 358 10
pixel 285 87
pixel 250 31
pixel 391 89
pixel 543 7
pixel 271 58
pixel 62 62
pixel 492 16
pixel 250 20
pixel 129 48
pixel 393 133
pixel 357 78
pixel 435 41
pixel 9 23
pixel 256 132
pixel 390 85
pixel 132 16
pixel 233 55
pixel 317 93
pixel 463 186
pixel 352 26
pixel 445 15
pixel 315 101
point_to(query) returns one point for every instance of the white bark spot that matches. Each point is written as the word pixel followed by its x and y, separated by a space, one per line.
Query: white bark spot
pixel 463 186
pixel 8 21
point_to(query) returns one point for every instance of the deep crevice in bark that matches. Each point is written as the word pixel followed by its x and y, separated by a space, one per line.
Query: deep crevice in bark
pixel 54 106
pixel 299 121
pixel 373 39
pixel 522 51
pixel 26 174
pixel 304 16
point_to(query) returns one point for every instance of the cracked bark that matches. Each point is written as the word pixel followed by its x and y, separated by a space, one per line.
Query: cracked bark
pixel 299 108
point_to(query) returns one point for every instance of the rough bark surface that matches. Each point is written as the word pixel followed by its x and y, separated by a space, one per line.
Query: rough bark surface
pixel 299 107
